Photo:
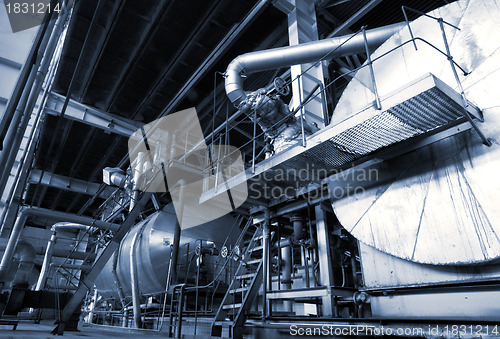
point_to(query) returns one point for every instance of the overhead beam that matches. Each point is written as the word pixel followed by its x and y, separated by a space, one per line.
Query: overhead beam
pixel 91 116
pixel 215 55
pixel 344 27
pixel 68 184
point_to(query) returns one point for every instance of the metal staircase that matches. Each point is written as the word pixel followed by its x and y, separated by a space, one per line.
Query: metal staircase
pixel 243 289
pixel 176 306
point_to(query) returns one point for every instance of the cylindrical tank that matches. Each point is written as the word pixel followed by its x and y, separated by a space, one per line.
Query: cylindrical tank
pixel 153 252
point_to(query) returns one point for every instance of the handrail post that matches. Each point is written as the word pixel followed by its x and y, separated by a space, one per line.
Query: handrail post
pixel 486 141
pixel 378 105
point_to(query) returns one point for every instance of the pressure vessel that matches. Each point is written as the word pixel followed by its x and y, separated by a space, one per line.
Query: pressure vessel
pixel 155 236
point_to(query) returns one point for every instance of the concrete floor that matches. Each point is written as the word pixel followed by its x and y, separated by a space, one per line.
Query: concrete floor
pixel 42 331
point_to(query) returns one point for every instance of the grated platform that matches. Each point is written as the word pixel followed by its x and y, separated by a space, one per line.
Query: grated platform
pixel 422 107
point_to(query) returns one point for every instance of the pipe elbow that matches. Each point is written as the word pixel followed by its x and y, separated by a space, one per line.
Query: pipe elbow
pixel 69 226
pixel 234 81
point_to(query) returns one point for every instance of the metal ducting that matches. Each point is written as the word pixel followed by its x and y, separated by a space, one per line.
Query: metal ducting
pixel 299 54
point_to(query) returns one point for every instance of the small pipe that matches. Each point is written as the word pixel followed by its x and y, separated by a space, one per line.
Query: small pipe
pixel 177 233
pixel 298 227
pixel 42 278
pixel 49 214
pixel 286 271
pixel 265 264
pixel 44 271
pixel 139 163
pixel 134 278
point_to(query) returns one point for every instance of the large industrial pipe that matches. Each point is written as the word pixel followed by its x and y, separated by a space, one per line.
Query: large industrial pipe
pixel 16 132
pixel 27 72
pixel 26 254
pixel 44 213
pixel 299 54
pixel 44 271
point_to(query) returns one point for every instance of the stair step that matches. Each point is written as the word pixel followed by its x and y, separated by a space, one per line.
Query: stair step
pixel 223 323
pixel 238 290
pixel 253 262
pixel 256 248
pixel 246 276
pixel 231 306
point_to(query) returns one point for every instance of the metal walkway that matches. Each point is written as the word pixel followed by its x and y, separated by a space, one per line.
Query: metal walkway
pixel 423 107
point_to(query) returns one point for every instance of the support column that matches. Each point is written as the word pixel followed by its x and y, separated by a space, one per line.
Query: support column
pixel 265 265
pixel 325 259
pixel 42 278
pixel 302 28
pixel 286 255
pixel 177 233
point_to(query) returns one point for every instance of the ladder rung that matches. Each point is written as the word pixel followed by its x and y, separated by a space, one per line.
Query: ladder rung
pixel 246 276
pixel 256 248
pixel 230 306
pixel 253 262
pixel 237 290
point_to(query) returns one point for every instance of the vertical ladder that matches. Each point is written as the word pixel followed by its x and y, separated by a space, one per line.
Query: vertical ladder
pixel 176 305
pixel 242 290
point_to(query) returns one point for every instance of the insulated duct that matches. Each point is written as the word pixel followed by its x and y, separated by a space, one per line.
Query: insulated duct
pixel 299 54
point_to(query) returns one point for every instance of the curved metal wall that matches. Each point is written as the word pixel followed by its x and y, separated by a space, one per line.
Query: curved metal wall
pixel 438 204
pixel 153 251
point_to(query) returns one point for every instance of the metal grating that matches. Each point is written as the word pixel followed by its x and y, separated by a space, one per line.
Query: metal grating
pixel 420 114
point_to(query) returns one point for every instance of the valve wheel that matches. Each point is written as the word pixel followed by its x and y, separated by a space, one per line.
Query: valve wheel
pixel 281 86
pixel 224 251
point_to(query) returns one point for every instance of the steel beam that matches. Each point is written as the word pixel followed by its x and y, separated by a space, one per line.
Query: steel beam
pixel 215 55
pixel 91 116
pixel 344 27
pixel 68 184
pixel 302 28
pixel 99 264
